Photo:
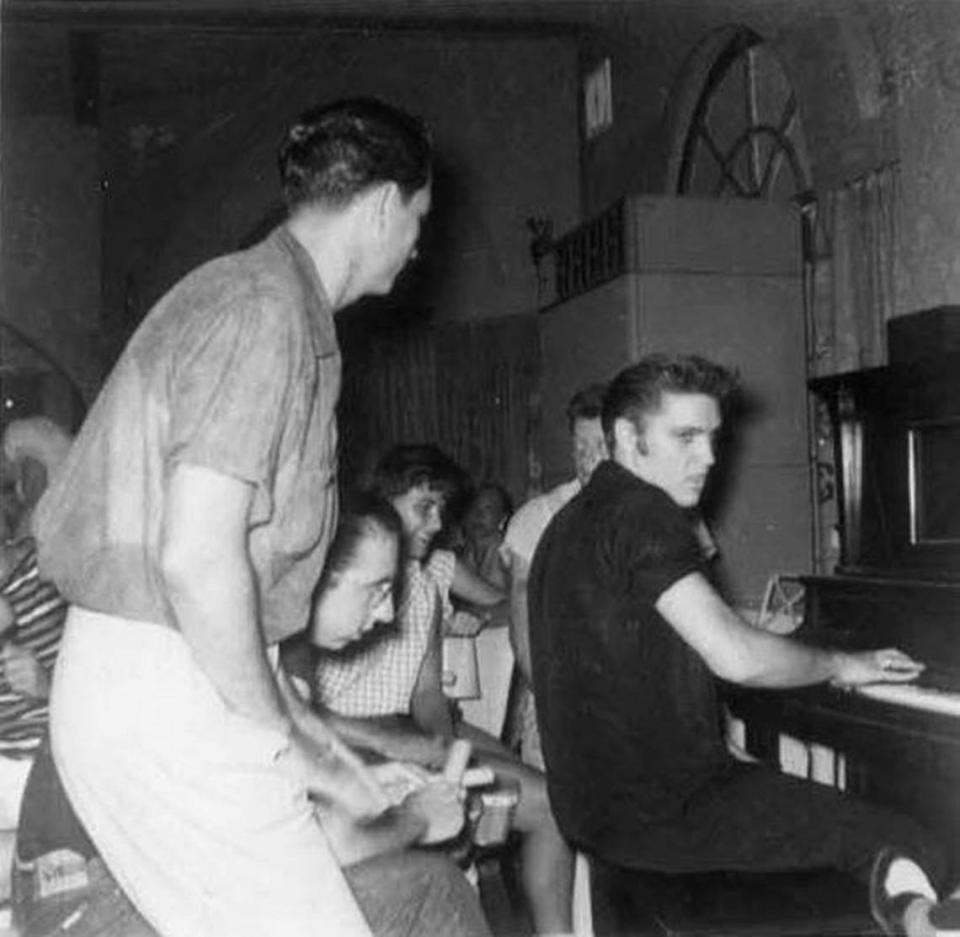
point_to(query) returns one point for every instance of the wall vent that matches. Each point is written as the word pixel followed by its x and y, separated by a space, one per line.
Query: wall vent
pixel 587 256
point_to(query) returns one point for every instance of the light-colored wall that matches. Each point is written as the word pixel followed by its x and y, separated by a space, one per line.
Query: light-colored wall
pixel 876 83
pixel 927 84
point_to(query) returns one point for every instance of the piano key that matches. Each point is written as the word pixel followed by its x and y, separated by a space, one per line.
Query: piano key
pixel 913 696
pixel 936 677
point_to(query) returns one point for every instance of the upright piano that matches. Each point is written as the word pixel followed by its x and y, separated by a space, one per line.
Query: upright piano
pixel 896 433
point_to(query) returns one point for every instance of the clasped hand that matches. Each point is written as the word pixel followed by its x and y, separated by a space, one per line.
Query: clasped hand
pixel 437 802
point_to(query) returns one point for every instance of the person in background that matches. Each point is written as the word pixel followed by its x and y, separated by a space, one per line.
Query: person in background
pixel 623 616
pixel 386 693
pixel 34 448
pixel 484 523
pixel 188 529
pixel 478 660
pixel 32 615
pixel 402 891
pixel 588 450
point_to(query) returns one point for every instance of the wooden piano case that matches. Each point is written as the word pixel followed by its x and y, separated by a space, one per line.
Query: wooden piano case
pixel 897 447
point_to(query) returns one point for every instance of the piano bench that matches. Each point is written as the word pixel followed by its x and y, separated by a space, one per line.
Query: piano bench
pixel 820 903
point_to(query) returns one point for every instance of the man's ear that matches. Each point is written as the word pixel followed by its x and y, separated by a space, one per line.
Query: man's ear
pixel 625 436
pixel 369 209
pixel 381 202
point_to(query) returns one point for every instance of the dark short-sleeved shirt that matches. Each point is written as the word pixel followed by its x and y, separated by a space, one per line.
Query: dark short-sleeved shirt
pixel 628 712
pixel 236 369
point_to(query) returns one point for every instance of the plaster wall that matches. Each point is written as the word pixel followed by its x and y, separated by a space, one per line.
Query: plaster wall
pixel 926 85
pixel 193 174
pixel 876 83
pixel 836 57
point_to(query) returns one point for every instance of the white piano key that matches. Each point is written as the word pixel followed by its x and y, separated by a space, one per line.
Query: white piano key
pixel 794 756
pixel 823 765
pixel 913 696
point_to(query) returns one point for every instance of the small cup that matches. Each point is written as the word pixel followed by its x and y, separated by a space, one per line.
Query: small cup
pixel 498 805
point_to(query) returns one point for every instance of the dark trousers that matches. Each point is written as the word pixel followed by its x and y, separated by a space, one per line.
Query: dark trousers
pixel 402 894
pixel 751 818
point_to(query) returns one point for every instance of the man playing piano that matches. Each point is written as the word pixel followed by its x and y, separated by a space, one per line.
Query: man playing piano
pixel 628 641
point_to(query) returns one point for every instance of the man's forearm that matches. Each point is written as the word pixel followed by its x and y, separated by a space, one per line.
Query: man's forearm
pixel 395 829
pixel 390 736
pixel 781 662
pixel 520 627
pixel 211 589
pixel 323 727
pixel 431 712
pixel 214 606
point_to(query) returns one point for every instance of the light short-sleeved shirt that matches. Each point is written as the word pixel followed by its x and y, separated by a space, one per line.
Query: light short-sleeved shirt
pixel 377 677
pixel 236 369
pixel 527 525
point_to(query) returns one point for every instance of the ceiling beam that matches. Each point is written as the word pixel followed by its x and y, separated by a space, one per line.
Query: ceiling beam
pixel 514 16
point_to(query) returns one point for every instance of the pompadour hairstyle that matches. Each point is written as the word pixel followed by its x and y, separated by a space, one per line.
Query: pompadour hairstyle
pixel 638 389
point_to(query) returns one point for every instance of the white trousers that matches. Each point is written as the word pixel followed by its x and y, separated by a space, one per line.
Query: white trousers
pixel 183 797
pixel 13 779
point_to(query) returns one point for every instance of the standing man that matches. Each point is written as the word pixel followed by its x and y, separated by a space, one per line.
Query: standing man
pixel 188 530
pixel 523 534
pixel 62 884
pixel 628 639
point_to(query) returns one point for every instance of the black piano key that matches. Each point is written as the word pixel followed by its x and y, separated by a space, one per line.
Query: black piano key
pixel 940 678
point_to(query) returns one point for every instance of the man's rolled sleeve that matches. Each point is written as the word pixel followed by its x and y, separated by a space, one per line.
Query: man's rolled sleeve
pixel 232 392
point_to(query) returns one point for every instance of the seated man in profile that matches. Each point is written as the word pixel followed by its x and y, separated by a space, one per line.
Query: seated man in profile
pixel 401 891
pixel 629 640
pixel 386 693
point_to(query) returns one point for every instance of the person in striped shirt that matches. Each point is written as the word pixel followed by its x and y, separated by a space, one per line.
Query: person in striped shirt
pixel 32 614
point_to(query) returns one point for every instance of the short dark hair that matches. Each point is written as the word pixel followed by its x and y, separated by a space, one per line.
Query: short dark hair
pixel 411 465
pixel 638 389
pixel 503 496
pixel 362 514
pixel 586 404
pixel 336 151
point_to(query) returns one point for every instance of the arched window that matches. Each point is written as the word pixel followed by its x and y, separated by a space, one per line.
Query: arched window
pixel 737 130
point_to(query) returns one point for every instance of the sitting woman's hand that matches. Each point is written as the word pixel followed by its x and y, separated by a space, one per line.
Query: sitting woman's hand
pixel 464 624
pixel 440 805
pixel 25 674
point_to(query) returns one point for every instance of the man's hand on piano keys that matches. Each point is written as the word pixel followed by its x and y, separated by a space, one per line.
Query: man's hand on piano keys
pixel 888 665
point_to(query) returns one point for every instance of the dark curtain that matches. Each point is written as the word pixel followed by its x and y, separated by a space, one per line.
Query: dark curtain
pixel 468 387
